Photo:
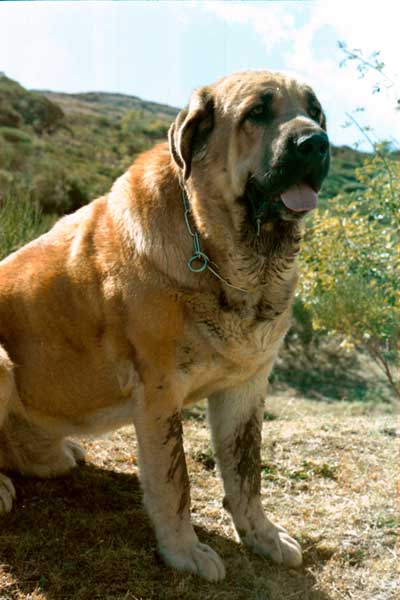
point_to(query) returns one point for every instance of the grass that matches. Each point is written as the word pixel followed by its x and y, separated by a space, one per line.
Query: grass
pixel 328 476
pixel 21 222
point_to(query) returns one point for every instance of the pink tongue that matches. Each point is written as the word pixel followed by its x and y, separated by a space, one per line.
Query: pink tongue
pixel 300 197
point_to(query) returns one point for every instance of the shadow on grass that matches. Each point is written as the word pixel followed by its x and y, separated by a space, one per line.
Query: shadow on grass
pixel 86 536
pixel 328 375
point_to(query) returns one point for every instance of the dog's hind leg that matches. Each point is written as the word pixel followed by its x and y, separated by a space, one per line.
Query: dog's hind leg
pixel 7 388
pixel 26 447
pixel 33 450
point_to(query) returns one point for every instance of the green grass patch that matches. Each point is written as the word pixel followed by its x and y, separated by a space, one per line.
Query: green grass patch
pixel 21 221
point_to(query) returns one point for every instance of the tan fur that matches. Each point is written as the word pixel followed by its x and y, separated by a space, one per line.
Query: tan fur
pixel 102 323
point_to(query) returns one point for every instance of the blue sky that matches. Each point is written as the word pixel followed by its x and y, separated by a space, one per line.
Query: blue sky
pixel 162 50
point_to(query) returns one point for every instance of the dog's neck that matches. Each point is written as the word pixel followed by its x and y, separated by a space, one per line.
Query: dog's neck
pixel 262 266
pixel 249 260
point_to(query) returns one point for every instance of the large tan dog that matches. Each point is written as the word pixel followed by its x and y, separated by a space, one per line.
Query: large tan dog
pixel 104 320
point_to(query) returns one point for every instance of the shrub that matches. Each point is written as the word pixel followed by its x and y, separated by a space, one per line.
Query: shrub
pixel 33 108
pixel 6 155
pixel 56 190
pixel 15 135
pixel 351 265
pixel 20 221
pixel 16 148
pixel 8 116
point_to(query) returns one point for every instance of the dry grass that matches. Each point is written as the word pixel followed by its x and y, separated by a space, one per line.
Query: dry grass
pixel 329 476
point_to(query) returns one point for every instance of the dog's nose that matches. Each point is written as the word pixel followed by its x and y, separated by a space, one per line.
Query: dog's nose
pixel 312 147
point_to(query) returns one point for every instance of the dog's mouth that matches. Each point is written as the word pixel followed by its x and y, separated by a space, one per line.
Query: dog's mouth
pixel 265 203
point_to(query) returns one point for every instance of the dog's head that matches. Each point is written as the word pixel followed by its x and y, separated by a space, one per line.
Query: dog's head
pixel 254 142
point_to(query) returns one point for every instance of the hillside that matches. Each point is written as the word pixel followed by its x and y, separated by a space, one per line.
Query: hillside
pixel 68 148
pixel 116 102
pixel 19 108
pixel 76 146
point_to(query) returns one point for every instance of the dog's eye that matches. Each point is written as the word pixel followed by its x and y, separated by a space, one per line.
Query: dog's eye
pixel 315 113
pixel 258 112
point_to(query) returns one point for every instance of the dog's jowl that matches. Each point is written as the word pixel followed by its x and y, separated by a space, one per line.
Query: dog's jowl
pixel 120 314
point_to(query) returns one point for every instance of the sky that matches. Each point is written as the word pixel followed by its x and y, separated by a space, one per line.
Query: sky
pixel 162 50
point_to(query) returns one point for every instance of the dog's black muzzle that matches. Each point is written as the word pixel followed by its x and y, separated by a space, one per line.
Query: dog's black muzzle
pixel 303 160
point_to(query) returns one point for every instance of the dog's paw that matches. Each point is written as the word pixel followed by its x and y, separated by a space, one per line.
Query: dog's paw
pixel 198 558
pixel 274 541
pixel 7 494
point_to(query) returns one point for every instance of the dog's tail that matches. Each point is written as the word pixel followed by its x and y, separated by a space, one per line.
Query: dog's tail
pixel 7 384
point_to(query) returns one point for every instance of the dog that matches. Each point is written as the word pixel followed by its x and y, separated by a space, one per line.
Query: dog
pixel 175 286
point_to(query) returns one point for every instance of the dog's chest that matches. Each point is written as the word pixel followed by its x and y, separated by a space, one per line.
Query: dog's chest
pixel 224 347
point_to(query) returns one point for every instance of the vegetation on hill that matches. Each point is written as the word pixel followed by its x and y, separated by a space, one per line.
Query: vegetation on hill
pixel 19 108
pixel 65 149
pixel 342 174
pixel 351 268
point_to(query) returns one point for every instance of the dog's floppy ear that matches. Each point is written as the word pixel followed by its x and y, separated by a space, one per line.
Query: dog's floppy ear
pixel 189 133
pixel 323 121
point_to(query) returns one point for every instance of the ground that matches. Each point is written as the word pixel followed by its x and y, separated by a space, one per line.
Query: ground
pixel 329 476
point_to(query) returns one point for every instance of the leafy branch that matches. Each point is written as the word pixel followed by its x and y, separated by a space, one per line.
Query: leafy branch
pixel 367 63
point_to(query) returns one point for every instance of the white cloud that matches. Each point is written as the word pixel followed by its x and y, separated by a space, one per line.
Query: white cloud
pixel 116 45
pixel 368 26
pixel 272 22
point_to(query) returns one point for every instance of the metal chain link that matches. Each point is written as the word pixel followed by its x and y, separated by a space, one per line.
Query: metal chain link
pixel 198 255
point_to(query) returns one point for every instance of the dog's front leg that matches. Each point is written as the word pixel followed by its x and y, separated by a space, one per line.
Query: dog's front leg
pixel 166 490
pixel 236 417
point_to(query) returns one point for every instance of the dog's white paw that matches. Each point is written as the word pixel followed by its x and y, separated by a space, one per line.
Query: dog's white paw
pixel 7 494
pixel 75 450
pixel 198 558
pixel 274 541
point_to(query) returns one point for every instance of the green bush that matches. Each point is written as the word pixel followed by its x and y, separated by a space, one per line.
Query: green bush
pixel 6 156
pixel 14 155
pixel 351 266
pixel 34 109
pixel 16 136
pixel 57 190
pixel 21 221
pixel 139 125
pixel 8 116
